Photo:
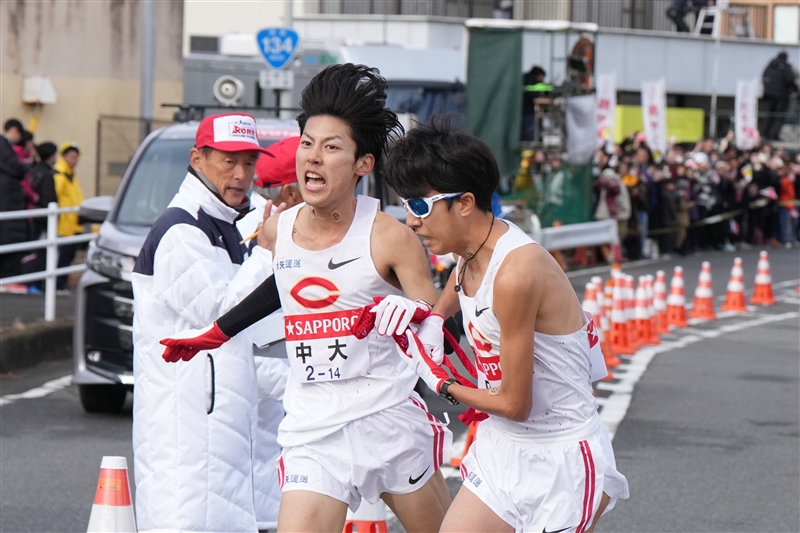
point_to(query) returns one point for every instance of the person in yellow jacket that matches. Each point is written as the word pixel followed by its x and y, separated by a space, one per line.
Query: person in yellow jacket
pixel 69 194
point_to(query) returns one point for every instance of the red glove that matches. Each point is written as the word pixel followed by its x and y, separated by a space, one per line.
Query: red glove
pixel 187 343
pixel 471 415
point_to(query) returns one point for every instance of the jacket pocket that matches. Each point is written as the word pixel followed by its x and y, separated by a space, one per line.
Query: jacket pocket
pixel 212 385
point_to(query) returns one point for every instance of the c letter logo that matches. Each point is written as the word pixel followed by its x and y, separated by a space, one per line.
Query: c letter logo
pixel 331 291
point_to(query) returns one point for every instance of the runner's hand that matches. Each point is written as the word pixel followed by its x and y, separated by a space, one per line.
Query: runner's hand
pixel 394 313
pixel 432 374
pixel 432 337
pixel 187 343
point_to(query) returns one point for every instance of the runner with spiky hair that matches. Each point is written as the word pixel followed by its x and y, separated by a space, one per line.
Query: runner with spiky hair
pixel 354 427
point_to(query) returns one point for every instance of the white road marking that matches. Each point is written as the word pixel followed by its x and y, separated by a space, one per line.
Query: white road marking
pixel 615 406
pixel 38 392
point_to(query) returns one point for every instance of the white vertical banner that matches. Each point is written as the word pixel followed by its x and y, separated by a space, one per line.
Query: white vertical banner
pixel 746 121
pixel 606 105
pixel 654 115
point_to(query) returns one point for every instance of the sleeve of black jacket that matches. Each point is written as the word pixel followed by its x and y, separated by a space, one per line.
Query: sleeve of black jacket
pixel 9 164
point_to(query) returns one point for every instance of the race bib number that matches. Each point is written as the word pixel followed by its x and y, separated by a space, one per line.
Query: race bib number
pixel 322 348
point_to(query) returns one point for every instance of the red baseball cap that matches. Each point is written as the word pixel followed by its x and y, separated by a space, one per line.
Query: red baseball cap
pixel 281 170
pixel 229 133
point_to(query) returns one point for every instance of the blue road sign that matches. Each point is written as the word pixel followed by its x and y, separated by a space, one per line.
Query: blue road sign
pixel 278 46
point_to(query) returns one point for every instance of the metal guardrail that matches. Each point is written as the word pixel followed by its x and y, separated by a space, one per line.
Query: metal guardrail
pixel 50 243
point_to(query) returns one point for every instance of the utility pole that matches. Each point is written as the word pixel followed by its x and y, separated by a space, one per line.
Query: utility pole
pixel 148 65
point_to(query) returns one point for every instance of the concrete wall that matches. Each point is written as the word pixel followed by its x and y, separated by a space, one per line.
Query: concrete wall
pixel 91 53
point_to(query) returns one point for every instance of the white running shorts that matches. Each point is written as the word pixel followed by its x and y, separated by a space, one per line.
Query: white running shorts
pixel 396 450
pixel 543 487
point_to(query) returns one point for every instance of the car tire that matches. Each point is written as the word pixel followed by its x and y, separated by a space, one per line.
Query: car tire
pixel 102 398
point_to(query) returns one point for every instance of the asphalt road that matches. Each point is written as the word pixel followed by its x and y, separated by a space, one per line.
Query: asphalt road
pixel 706 425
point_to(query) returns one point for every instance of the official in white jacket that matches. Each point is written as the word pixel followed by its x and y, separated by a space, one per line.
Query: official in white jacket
pixel 276 180
pixel 193 424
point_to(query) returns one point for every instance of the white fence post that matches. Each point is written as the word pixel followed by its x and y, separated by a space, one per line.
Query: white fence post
pixel 52 263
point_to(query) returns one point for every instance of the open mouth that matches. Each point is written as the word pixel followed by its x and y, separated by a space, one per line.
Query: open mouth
pixel 314 182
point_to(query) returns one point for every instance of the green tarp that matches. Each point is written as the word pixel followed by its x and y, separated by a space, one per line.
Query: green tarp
pixel 494 92
pixel 566 196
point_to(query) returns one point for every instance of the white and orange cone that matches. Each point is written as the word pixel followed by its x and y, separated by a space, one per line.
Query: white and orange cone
pixel 619 322
pixel 762 294
pixel 630 301
pixel 641 315
pixel 651 310
pixel 704 295
pixel 676 301
pixel 370 518
pixel 660 302
pixel 734 299
pixel 608 352
pixel 112 511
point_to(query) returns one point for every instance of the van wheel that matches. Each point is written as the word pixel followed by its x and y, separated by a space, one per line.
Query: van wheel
pixel 102 398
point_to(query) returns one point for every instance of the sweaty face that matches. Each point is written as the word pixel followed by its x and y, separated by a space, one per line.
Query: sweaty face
pixel 230 172
pixel 327 168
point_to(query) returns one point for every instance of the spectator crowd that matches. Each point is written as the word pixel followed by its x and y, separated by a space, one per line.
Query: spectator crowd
pixel 32 176
pixel 711 196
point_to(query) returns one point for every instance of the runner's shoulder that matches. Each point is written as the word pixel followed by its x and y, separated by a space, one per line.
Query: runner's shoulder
pixel 391 229
pixel 524 269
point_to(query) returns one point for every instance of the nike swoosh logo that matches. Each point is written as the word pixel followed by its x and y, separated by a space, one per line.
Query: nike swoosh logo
pixel 414 480
pixel 556 531
pixel 334 266
pixel 479 312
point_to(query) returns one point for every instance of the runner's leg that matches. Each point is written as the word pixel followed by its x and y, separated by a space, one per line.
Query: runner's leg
pixel 303 511
pixel 468 514
pixel 422 510
pixel 602 507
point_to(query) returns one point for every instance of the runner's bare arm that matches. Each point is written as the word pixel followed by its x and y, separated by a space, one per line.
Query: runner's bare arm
pixel 518 295
pixel 400 259
pixel 268 233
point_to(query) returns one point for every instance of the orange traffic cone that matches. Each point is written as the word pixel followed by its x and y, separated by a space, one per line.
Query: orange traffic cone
pixel 630 301
pixel 608 300
pixel 112 511
pixel 704 295
pixel 651 311
pixel 660 302
pixel 676 301
pixel 762 295
pixel 369 518
pixel 734 299
pixel 641 314
pixel 472 430
pixel 619 322
pixel 608 352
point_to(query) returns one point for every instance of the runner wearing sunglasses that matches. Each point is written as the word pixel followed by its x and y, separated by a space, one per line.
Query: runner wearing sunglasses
pixel 354 427
pixel 542 461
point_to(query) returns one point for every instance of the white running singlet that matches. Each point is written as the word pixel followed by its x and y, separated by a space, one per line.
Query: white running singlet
pixel 334 378
pixel 563 403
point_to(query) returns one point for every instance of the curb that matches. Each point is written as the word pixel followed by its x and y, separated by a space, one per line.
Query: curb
pixel 29 346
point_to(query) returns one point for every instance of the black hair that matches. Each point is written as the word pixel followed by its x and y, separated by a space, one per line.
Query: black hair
pixel 13 123
pixel 70 149
pixel 355 94
pixel 46 150
pixel 441 158
pixel 25 137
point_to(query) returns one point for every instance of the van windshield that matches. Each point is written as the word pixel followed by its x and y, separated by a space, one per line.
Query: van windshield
pixel 157 177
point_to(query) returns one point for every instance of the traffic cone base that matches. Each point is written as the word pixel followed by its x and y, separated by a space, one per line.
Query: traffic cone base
pixel 369 518
pixel 734 302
